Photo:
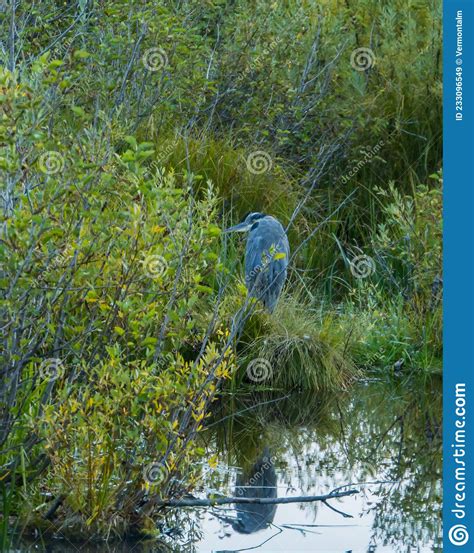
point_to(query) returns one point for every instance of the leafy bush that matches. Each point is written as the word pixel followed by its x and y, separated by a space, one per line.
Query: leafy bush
pixel 121 437
pixel 409 243
pixel 397 312
pixel 107 268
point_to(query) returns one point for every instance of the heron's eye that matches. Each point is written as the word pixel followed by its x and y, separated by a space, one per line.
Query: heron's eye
pixel 254 226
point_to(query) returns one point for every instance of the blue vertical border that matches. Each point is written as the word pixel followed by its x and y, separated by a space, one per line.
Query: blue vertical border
pixel 458 387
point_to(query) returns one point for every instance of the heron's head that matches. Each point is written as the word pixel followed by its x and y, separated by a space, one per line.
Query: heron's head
pixel 247 223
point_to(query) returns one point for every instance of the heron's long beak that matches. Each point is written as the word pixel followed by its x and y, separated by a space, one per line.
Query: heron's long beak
pixel 241 227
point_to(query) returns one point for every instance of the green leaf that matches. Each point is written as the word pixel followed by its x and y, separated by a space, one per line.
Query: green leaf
pixel 213 230
pixel 81 54
pixel 205 289
pixel 132 141
pixel 78 111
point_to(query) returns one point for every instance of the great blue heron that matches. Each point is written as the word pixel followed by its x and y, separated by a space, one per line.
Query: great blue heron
pixel 266 257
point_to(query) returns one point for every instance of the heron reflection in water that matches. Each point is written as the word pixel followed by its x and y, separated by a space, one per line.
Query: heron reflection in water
pixel 260 481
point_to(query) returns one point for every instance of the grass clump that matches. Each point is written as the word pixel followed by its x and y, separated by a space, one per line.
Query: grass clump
pixel 240 183
pixel 300 349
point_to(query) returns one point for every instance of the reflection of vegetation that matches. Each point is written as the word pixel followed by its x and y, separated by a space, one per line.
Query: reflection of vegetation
pixel 384 431
pixel 410 453
pixel 243 424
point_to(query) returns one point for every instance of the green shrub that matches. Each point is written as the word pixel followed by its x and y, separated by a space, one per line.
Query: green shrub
pixel 117 439
pixel 112 353
pixel 396 312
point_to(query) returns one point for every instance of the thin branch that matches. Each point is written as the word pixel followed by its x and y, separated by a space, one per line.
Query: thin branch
pixel 345 515
pixel 191 502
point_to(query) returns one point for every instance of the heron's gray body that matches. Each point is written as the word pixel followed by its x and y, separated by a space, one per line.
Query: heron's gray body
pixel 266 257
pixel 266 260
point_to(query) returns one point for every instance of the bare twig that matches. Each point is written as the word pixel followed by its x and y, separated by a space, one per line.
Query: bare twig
pixel 191 502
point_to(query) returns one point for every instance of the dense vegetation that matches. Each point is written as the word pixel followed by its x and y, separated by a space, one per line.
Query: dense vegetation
pixel 131 133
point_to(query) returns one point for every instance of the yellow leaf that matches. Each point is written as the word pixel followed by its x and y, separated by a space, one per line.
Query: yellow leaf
pixel 158 229
pixel 242 288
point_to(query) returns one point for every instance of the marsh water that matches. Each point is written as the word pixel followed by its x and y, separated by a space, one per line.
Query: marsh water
pixel 381 438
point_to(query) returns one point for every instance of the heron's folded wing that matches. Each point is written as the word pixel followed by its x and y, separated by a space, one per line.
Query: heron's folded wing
pixel 253 260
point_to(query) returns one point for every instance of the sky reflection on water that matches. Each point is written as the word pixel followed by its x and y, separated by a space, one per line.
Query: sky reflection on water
pixel 379 432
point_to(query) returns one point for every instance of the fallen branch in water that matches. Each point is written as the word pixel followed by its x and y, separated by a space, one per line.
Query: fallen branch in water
pixel 192 502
